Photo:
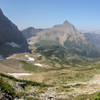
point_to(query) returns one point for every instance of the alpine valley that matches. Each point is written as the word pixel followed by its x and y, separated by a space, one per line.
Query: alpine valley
pixel 57 63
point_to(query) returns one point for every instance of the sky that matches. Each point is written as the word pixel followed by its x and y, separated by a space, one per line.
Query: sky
pixel 84 14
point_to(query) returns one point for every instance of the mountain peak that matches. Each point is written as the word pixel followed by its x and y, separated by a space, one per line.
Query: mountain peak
pixel 66 22
pixel 31 27
pixel 10 36
pixel 1 13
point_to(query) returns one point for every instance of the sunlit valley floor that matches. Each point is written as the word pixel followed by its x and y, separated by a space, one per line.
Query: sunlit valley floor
pixel 70 82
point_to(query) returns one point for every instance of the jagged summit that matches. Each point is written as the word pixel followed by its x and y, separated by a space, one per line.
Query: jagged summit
pixel 61 33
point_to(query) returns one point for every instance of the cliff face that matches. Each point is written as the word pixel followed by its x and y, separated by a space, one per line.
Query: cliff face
pixel 11 39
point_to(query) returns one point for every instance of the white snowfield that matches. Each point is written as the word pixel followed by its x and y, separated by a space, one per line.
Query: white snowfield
pixel 30 59
pixel 13 44
pixel 19 74
pixel 38 64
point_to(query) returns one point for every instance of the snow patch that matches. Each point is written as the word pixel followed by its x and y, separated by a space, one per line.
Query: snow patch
pixel 26 56
pixel 13 44
pixel 38 64
pixel 19 74
pixel 30 59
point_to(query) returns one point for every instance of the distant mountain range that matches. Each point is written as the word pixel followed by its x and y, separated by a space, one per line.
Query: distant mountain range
pixel 63 40
pixel 11 39
pixel 87 31
pixel 94 38
pixel 31 31
pixel 59 33
pixel 96 32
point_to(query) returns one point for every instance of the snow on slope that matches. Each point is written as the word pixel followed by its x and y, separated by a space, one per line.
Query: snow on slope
pixel 13 44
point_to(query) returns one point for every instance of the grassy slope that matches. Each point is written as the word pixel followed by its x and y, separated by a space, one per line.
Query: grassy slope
pixel 64 74
pixel 61 77
pixel 8 85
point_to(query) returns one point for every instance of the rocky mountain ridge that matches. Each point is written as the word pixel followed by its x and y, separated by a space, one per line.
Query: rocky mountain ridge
pixel 31 31
pixel 63 38
pixel 11 39
pixel 61 33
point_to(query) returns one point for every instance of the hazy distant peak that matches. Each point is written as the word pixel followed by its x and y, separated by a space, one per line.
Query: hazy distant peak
pixel 66 22
pixel 31 31
pixel 31 27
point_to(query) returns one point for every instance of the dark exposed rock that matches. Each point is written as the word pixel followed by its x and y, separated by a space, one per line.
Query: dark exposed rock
pixel 5 96
pixel 10 34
